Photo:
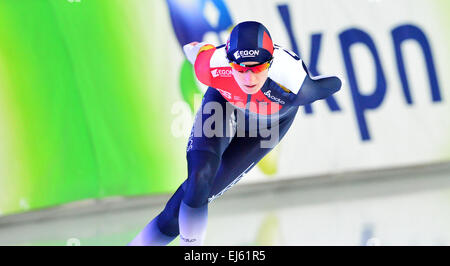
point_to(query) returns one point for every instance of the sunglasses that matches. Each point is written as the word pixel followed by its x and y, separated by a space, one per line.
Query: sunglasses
pixel 254 68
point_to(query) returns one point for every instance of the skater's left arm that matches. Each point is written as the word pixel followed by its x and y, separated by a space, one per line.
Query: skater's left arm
pixel 316 88
pixel 290 71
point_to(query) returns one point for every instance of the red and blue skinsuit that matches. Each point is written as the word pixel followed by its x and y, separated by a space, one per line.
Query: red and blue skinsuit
pixel 288 86
pixel 215 163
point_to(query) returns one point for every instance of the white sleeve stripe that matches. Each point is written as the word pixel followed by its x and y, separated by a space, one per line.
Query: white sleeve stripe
pixel 219 58
pixel 286 70
pixel 191 51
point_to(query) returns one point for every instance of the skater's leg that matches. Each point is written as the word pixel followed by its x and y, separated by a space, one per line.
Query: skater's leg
pixel 188 213
pixel 187 210
pixel 163 229
pixel 203 156
pixel 202 168
pixel 241 155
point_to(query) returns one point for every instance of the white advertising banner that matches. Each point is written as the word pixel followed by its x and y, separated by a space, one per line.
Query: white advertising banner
pixel 392 56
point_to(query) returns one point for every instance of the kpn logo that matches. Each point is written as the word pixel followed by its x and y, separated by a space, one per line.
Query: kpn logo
pixel 209 21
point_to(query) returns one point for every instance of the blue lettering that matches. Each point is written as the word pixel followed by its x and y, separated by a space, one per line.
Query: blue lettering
pixel 316 40
pixel 314 55
pixel 362 102
pixel 286 17
pixel 348 38
pixel 411 32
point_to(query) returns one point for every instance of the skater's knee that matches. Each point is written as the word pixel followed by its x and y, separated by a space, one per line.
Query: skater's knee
pixel 200 179
pixel 202 168
pixel 168 224
pixel 168 218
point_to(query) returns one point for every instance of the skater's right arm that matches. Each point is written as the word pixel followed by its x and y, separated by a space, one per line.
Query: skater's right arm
pixel 199 54
pixel 191 50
